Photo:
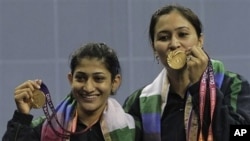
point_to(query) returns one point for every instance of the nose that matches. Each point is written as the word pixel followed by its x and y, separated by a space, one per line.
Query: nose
pixel 89 86
pixel 174 43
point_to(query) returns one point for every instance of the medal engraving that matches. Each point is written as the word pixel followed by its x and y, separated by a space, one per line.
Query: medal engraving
pixel 38 99
pixel 176 59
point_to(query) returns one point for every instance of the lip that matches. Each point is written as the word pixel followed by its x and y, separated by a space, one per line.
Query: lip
pixel 87 97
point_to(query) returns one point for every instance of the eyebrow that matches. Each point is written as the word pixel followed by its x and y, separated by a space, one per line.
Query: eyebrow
pixel 95 73
pixel 164 31
pixel 182 27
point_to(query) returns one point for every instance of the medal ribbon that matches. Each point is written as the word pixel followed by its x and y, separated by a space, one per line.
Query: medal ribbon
pixel 208 76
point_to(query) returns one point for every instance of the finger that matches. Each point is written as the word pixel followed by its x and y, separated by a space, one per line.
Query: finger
pixel 195 51
pixel 22 97
pixel 35 83
pixel 27 91
pixel 188 58
pixel 194 63
pixel 29 84
pixel 38 82
pixel 192 59
pixel 199 53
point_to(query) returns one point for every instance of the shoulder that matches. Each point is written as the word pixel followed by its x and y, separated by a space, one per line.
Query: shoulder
pixel 235 83
pixel 227 76
pixel 235 78
pixel 133 99
pixel 136 94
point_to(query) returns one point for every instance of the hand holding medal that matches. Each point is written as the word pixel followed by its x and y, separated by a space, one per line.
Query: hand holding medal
pixel 28 95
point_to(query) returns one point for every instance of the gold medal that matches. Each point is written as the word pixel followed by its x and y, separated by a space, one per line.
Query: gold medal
pixel 176 59
pixel 38 99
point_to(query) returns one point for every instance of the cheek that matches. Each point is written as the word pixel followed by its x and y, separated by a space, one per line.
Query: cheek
pixel 75 87
pixel 160 47
pixel 105 88
pixel 191 43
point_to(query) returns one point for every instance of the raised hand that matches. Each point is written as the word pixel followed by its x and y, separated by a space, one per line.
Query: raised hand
pixel 23 95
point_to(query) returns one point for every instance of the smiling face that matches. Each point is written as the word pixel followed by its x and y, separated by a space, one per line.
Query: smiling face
pixel 173 31
pixel 91 84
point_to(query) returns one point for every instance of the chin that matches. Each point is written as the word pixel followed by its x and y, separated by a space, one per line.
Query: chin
pixel 88 107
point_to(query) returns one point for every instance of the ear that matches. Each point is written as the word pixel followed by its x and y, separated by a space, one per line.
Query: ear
pixel 116 83
pixel 70 78
pixel 201 41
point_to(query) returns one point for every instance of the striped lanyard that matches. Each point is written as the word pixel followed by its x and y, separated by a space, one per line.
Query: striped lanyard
pixel 207 77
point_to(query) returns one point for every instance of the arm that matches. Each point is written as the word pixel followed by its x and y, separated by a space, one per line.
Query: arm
pixel 19 129
pixel 236 92
pixel 232 104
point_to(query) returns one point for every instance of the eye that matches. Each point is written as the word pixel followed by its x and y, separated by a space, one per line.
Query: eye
pixel 99 79
pixel 164 37
pixel 183 34
pixel 80 78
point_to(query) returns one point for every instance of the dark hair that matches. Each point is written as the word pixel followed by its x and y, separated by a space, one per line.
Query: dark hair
pixel 100 51
pixel 185 12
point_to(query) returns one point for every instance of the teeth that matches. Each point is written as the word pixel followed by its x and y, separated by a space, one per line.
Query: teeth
pixel 88 96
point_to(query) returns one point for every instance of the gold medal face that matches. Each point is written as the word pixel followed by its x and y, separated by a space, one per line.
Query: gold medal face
pixel 38 99
pixel 176 59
